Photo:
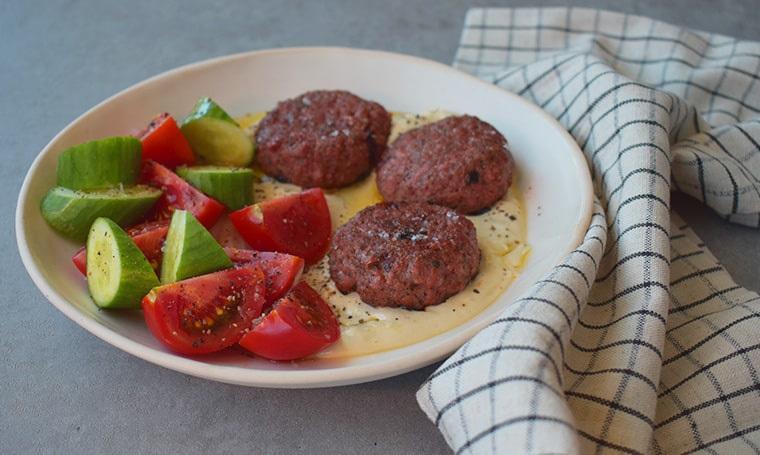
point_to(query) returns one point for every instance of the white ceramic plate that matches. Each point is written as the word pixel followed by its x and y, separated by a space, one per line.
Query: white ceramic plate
pixel 553 177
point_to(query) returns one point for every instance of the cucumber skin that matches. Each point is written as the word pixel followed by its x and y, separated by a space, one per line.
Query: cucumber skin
pixel 136 276
pixel 100 163
pixel 200 252
pixel 232 186
pixel 208 108
pixel 72 212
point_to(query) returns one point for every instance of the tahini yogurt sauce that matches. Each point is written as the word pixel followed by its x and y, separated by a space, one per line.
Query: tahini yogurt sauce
pixel 366 329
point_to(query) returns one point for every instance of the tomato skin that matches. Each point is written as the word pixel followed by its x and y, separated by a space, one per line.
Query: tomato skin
pixel 281 270
pixel 206 313
pixel 297 224
pixel 149 237
pixel 163 142
pixel 178 194
pixel 80 260
pixel 299 325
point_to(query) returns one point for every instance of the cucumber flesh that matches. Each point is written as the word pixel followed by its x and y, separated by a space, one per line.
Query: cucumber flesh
pixel 118 274
pixel 190 250
pixel 215 137
pixel 72 212
pixel 101 163
pixel 232 186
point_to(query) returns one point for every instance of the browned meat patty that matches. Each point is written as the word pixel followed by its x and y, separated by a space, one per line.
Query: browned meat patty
pixel 461 162
pixel 405 254
pixel 322 138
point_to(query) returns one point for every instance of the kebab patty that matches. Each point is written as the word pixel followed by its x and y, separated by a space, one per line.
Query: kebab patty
pixel 322 138
pixel 405 254
pixel 460 162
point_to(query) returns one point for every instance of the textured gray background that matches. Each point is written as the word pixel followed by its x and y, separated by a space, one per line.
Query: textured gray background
pixel 65 391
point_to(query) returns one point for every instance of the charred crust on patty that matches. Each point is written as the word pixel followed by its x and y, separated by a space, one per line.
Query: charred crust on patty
pixel 405 254
pixel 322 138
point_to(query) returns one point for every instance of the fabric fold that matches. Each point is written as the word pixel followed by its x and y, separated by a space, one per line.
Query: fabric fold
pixel 590 359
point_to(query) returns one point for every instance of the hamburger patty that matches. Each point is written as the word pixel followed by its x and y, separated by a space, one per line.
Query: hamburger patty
pixel 405 254
pixel 322 138
pixel 460 162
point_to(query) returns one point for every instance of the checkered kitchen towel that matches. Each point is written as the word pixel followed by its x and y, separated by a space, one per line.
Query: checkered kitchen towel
pixel 639 342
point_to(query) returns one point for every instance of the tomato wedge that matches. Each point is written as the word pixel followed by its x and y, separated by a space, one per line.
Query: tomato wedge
pixel 149 237
pixel 281 270
pixel 163 142
pixel 178 194
pixel 206 313
pixel 299 325
pixel 297 224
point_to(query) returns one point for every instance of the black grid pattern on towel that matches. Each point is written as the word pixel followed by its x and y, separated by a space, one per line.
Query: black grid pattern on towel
pixel 639 341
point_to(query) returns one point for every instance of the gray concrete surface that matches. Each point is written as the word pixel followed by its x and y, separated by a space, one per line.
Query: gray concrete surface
pixel 64 390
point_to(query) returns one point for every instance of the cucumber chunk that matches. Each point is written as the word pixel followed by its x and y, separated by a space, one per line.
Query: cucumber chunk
pixel 232 186
pixel 72 212
pixel 118 274
pixel 99 164
pixel 190 250
pixel 215 137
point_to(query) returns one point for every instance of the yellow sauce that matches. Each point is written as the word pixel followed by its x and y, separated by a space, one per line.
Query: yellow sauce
pixel 366 329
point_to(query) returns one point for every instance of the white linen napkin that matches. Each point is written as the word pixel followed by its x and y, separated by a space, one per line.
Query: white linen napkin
pixel 639 341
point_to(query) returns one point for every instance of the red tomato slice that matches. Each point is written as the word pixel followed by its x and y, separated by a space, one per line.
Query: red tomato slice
pixel 299 325
pixel 163 142
pixel 297 224
pixel 149 237
pixel 178 195
pixel 206 313
pixel 80 260
pixel 281 270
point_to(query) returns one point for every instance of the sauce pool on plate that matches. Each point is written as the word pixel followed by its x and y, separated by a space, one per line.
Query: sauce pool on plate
pixel 366 329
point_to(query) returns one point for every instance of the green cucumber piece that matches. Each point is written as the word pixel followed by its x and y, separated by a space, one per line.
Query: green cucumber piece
pixel 215 137
pixel 208 108
pixel 101 163
pixel 72 212
pixel 118 274
pixel 190 250
pixel 232 186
